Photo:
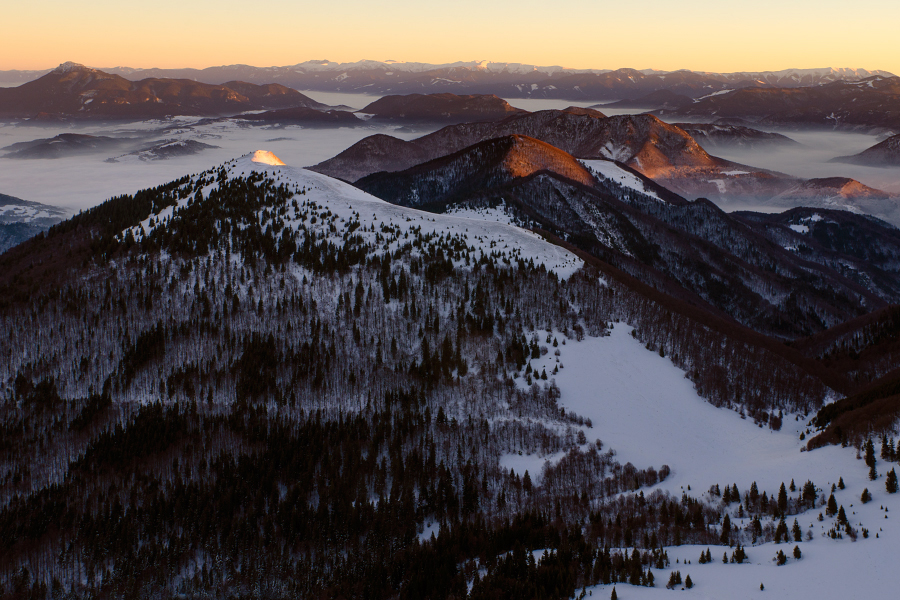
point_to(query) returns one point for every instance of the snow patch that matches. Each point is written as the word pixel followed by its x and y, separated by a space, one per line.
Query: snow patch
pixel 719 183
pixel 611 170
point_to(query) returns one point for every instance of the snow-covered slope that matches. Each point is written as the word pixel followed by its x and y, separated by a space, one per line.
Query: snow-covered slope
pixel 15 210
pixel 611 170
pixel 644 408
pixel 350 204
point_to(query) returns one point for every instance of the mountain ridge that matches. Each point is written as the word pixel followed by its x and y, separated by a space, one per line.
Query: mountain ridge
pixel 75 91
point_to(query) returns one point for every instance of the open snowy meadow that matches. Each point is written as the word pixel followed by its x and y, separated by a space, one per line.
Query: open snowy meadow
pixel 643 408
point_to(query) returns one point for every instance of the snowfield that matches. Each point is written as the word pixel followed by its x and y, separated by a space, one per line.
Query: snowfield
pixel 644 408
pixel 611 170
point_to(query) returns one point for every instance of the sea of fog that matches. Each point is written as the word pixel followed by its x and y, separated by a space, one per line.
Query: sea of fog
pixel 80 182
pixel 812 159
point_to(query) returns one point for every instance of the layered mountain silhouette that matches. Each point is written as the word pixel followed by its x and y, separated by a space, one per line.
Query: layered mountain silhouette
pixel 76 91
pixel 643 141
pixel 664 152
pixel 509 80
pixel 871 103
pixel 661 151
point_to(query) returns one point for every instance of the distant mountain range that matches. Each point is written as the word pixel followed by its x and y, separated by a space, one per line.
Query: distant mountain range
pixel 75 91
pixel 509 80
pixel 870 103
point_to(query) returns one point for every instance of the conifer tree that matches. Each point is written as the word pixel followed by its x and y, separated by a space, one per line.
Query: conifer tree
pixel 782 499
pixel 870 453
pixel 842 516
pixel 798 533
pixel 797 553
pixel 726 529
pixel 781 558
pixel 866 496
pixel 890 483
pixel 781 531
pixel 831 507
pixel 526 483
pixel 613 595
pixel 688 583
pixel 841 483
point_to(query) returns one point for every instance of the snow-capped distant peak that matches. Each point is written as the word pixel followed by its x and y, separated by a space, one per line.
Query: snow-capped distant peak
pixel 265 157
pixel 68 66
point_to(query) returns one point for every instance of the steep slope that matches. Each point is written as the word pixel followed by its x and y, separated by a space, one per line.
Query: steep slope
pixel 440 108
pixel 75 91
pixel 882 154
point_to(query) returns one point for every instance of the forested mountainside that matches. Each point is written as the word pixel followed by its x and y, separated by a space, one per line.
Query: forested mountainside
pixel 261 382
pixel 767 276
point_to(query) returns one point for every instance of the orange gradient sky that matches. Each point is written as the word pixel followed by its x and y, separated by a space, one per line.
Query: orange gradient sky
pixel 689 34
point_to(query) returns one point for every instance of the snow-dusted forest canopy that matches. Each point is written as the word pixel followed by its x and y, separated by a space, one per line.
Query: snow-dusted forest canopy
pixel 258 382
